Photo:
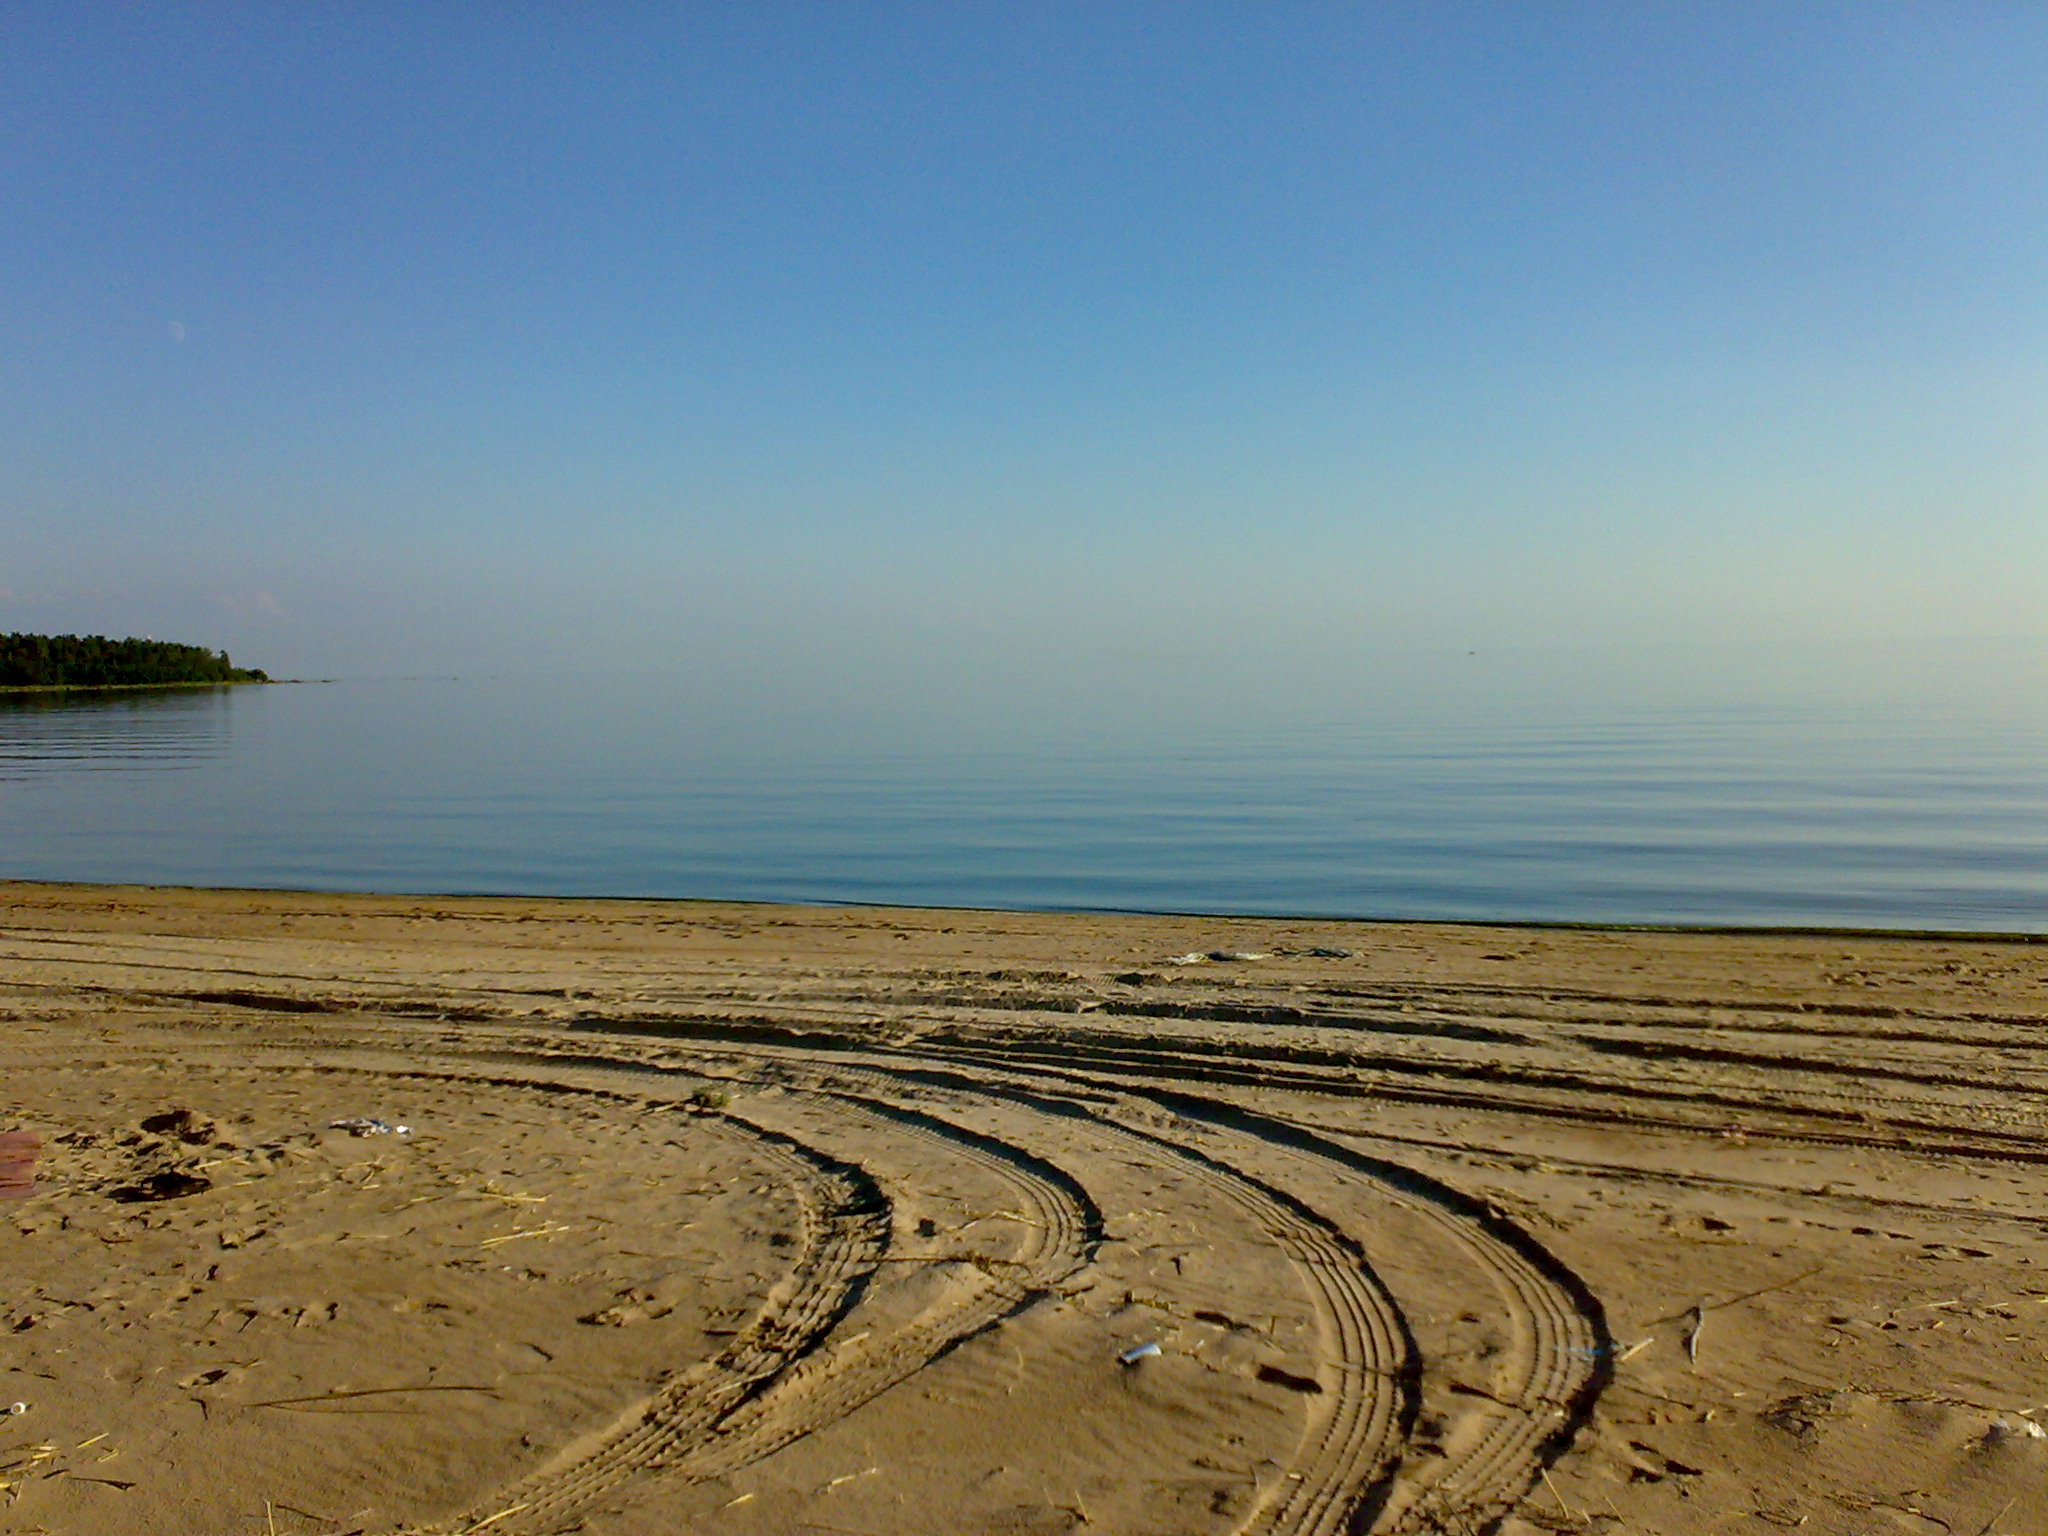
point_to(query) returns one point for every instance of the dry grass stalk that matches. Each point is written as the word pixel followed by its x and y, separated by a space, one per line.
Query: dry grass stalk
pixel 337 1397
pixel 503 1514
pixel 549 1229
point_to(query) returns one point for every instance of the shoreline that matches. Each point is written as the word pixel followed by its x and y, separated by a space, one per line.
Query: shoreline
pixel 11 689
pixel 1513 925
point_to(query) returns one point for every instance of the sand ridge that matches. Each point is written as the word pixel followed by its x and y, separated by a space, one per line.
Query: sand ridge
pixel 756 1219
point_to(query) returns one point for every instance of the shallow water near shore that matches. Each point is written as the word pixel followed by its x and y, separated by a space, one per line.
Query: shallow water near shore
pixel 1490 792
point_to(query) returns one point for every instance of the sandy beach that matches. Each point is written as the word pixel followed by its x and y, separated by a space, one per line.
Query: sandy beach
pixel 399 1214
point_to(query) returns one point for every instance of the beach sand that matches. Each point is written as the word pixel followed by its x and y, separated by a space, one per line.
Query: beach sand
pixel 752 1219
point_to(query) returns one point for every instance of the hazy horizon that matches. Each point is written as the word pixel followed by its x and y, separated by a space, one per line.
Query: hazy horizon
pixel 1086 348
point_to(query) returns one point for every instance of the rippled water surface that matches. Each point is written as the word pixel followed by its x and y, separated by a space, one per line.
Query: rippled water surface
pixel 1924 811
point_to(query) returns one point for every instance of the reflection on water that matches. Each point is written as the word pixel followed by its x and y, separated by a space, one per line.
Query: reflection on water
pixel 1928 814
pixel 69 732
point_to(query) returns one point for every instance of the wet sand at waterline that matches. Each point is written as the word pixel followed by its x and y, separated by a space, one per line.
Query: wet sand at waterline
pixel 758 1219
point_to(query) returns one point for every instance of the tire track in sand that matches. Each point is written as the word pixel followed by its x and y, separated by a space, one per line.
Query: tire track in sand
pixel 785 1378
pixel 845 1233
pixel 789 1374
pixel 1356 1431
pixel 1545 1388
pixel 1060 1227
pixel 1352 1473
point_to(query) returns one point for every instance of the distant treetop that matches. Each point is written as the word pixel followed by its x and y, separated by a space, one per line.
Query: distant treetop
pixel 94 661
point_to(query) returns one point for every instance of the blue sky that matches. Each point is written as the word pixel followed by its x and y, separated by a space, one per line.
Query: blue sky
pixel 1095 335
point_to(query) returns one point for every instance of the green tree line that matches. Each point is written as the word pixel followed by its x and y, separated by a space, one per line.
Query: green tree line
pixel 94 661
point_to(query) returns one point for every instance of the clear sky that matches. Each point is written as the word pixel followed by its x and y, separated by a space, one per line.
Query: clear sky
pixel 359 337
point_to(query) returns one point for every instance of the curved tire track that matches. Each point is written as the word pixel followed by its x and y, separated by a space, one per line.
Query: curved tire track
pixel 783 1378
pixel 1559 1365
pixel 1356 1431
pixel 1062 1225
pixel 845 1234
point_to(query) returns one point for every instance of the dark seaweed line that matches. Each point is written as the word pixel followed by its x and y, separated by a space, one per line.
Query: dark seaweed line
pixel 1305 1055
pixel 764 1030
pixel 1652 1050
pixel 1148 1067
pixel 1640 1174
pixel 758 1033
pixel 1084 997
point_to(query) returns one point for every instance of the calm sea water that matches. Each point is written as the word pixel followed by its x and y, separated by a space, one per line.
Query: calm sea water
pixel 1918 807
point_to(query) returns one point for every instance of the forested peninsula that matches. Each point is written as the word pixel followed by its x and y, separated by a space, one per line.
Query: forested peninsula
pixel 94 661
